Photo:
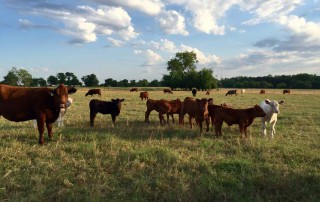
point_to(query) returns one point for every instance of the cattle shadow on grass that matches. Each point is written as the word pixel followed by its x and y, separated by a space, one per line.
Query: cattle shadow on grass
pixel 135 130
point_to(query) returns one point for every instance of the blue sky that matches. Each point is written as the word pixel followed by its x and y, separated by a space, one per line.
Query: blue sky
pixel 134 39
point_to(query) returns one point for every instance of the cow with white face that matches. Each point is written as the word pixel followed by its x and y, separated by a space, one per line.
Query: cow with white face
pixel 271 108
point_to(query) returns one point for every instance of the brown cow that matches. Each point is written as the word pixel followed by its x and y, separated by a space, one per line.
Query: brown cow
pixel 195 108
pixel 262 92
pixel 43 104
pixel 194 92
pixel 161 106
pixel 286 91
pixel 144 95
pixel 242 117
pixel 208 92
pixel 175 109
pixel 94 91
pixel 112 107
pixel 232 92
pixel 134 90
pixel 167 91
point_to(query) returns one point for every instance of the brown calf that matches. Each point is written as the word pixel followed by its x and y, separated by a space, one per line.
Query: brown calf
pixel 195 108
pixel 262 92
pixel 144 95
pixel 286 91
pixel 242 117
pixel 167 91
pixel 134 90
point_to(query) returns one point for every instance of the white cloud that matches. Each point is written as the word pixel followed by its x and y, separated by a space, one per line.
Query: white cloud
pixel 300 27
pixel 150 7
pixel 164 45
pixel 201 57
pixel 115 42
pixel 172 22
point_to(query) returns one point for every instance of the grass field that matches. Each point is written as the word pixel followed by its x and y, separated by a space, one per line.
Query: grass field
pixel 140 162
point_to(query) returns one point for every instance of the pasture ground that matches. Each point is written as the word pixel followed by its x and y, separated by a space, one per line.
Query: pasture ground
pixel 140 162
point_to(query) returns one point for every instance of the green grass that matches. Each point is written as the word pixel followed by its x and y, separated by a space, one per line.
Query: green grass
pixel 140 162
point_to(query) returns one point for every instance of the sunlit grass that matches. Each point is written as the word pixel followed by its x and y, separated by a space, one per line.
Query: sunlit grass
pixel 137 161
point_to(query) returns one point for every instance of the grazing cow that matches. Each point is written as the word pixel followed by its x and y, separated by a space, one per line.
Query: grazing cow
pixel 194 92
pixel 208 92
pixel 242 117
pixel 262 92
pixel 94 91
pixel 271 108
pixel 161 106
pixel 286 91
pixel 232 92
pixel 167 91
pixel 144 95
pixel 134 90
pixel 197 109
pixel 243 91
pixel 112 107
pixel 43 104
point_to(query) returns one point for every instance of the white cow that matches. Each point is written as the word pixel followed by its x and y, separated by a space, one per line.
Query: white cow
pixel 243 91
pixel 63 111
pixel 271 108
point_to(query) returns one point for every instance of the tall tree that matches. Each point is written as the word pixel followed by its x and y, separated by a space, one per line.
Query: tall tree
pixel 18 77
pixel 11 78
pixel 90 80
pixel 52 80
pixel 62 78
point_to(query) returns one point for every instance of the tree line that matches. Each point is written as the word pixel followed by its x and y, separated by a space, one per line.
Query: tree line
pixel 182 74
pixel 298 81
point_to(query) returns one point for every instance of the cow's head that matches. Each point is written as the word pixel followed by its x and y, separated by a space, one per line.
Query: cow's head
pixel 202 107
pixel 259 111
pixel 60 95
pixel 274 105
pixel 117 102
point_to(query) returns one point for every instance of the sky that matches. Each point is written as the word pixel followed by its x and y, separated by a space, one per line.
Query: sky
pixel 134 39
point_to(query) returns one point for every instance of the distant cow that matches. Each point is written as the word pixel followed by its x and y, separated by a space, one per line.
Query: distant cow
pixel 43 104
pixel 194 92
pixel 242 117
pixel 232 92
pixel 243 91
pixel 271 108
pixel 208 92
pixel 94 91
pixel 167 91
pixel 144 95
pixel 195 108
pixel 134 90
pixel 262 92
pixel 161 106
pixel 112 107
pixel 286 91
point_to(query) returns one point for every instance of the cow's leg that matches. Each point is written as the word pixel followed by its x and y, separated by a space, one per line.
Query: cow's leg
pixel 49 129
pixel 241 128
pixel 172 118
pixel 161 118
pixel 217 128
pixel 264 130
pixel 40 123
pixel 190 121
pixel 92 117
pixel 200 125
pixel 208 123
pixel 273 130
pixel 181 118
pixel 113 116
pixel 146 119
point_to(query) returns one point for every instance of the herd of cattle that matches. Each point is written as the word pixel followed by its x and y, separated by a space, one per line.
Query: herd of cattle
pixel 46 105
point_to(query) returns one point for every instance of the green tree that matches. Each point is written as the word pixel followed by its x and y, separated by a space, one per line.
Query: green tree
pixel 206 79
pixel 154 83
pixel 11 78
pixel 25 77
pixel 52 80
pixel 143 83
pixel 133 83
pixel 110 82
pixel 38 82
pixel 90 80
pixel 62 78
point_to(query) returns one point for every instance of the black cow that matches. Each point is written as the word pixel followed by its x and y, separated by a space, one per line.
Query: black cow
pixel 112 107
pixel 194 92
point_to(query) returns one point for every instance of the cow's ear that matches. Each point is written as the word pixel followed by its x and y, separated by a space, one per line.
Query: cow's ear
pixel 267 101
pixel 121 100
pixel 72 90
pixel 281 102
pixel 198 100
pixel 112 100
